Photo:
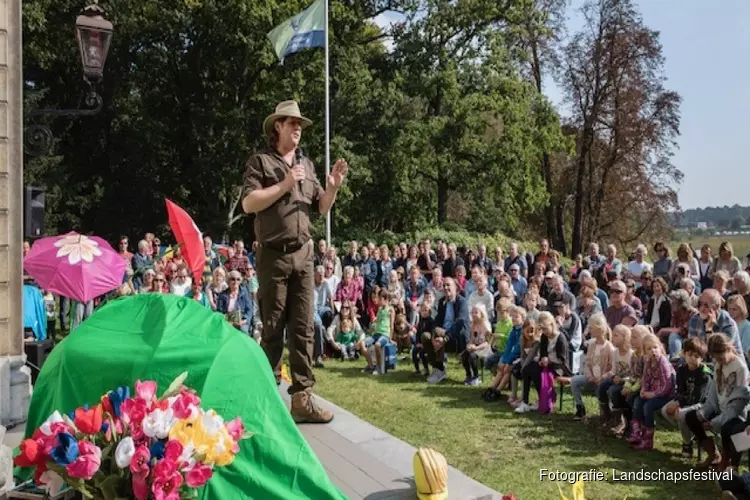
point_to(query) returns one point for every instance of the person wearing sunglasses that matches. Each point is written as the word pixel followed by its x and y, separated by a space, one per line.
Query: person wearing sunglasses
pixel 619 312
pixel 235 303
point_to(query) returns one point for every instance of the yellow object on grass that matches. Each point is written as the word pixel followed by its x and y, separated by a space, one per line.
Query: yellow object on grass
pixel 285 374
pixel 577 491
pixel 430 475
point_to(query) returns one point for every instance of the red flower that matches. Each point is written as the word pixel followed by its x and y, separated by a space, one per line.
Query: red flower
pixel 139 462
pixel 133 411
pixel 167 481
pixel 172 451
pixel 89 421
pixel 185 404
pixel 509 496
pixel 32 454
pixel 140 486
pixel 198 475
pixel 107 405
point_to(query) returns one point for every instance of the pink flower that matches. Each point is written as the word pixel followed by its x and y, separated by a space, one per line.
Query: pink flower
pixel 186 404
pixel 167 481
pixel 198 475
pixel 145 390
pixel 88 462
pixel 139 462
pixel 140 486
pixel 236 428
pixel 172 451
pixel 133 411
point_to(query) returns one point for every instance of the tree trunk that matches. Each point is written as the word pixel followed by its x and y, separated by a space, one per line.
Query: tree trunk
pixel 442 198
pixel 549 210
pixel 577 237
pixel 560 227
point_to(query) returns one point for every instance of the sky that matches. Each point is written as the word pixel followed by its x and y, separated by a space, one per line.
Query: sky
pixel 706 46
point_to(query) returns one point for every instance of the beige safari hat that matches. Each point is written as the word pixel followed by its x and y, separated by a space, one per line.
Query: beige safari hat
pixel 285 109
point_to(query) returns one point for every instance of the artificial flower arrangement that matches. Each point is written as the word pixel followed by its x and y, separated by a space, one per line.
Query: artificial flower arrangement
pixel 133 447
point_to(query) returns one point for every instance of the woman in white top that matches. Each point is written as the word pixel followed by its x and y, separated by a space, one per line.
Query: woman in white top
pixel 684 256
pixel 639 264
pixel 482 296
pixel 738 311
pixel 217 285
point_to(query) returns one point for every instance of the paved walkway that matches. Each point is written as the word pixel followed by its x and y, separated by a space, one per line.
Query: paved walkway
pixel 368 463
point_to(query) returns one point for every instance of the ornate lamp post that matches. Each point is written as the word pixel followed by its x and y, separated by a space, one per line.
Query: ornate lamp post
pixel 94 34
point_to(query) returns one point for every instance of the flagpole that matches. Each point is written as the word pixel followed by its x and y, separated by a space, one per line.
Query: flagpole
pixel 327 119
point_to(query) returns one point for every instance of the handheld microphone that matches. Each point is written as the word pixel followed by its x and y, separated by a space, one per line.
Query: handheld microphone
pixel 298 160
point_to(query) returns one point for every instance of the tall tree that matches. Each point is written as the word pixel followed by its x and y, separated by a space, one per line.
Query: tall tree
pixel 626 124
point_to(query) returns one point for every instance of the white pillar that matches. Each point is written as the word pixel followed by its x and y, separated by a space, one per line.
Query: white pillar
pixel 14 379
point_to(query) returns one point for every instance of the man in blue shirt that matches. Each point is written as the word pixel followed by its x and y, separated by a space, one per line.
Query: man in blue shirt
pixel 452 322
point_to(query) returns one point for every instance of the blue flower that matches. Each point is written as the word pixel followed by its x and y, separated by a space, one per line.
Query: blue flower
pixel 105 426
pixel 117 396
pixel 67 451
pixel 157 450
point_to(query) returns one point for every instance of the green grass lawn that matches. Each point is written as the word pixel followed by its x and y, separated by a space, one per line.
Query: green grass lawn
pixel 490 443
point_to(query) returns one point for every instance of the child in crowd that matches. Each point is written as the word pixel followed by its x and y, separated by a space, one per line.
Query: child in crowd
pixel 402 327
pixel 727 404
pixel 529 339
pixel 553 354
pixel 657 389
pixel 614 380
pixel 382 327
pixel 479 343
pixel 693 377
pixel 622 399
pixel 503 328
pixel 346 340
pixel 599 356
pixel 426 324
pixel 531 304
pixel 510 355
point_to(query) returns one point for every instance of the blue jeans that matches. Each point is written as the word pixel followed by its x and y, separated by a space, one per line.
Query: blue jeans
pixel 602 392
pixel 675 344
pixel 643 409
pixel 319 335
pixel 380 339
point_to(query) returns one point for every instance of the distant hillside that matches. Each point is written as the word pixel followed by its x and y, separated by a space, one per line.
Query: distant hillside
pixel 721 217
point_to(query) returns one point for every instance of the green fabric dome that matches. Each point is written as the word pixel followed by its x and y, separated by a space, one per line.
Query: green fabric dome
pixel 157 337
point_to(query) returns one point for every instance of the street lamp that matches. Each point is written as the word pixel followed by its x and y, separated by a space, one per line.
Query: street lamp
pixel 94 34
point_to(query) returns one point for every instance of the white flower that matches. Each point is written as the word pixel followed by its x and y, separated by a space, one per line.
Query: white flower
pixel 212 422
pixel 52 482
pixel 124 452
pixel 45 427
pixel 77 247
pixel 158 423
pixel 188 451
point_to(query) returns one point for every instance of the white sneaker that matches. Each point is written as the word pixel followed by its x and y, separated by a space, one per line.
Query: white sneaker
pixel 436 377
pixel 534 407
pixel 523 408
pixel 376 371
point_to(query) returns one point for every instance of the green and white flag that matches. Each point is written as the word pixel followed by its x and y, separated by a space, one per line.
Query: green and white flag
pixel 306 30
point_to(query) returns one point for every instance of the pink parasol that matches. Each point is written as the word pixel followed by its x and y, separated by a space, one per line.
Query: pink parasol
pixel 75 266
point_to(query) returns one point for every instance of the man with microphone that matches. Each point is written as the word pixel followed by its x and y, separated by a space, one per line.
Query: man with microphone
pixel 282 189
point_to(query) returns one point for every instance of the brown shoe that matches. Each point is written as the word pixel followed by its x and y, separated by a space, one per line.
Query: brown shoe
pixel 306 410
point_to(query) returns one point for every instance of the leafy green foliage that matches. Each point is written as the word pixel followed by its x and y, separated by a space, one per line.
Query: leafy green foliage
pixel 439 126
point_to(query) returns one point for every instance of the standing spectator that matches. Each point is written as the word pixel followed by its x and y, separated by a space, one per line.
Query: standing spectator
pixel 212 258
pixel 684 256
pixel 612 262
pixel 451 262
pixel 516 258
pixel 596 260
pixel 705 268
pixel 351 259
pixel 638 264
pixel 663 263
pixel 483 260
pixel 727 261
pixel 742 286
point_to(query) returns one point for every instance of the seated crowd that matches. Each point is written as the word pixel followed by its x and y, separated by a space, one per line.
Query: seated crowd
pixel 670 335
